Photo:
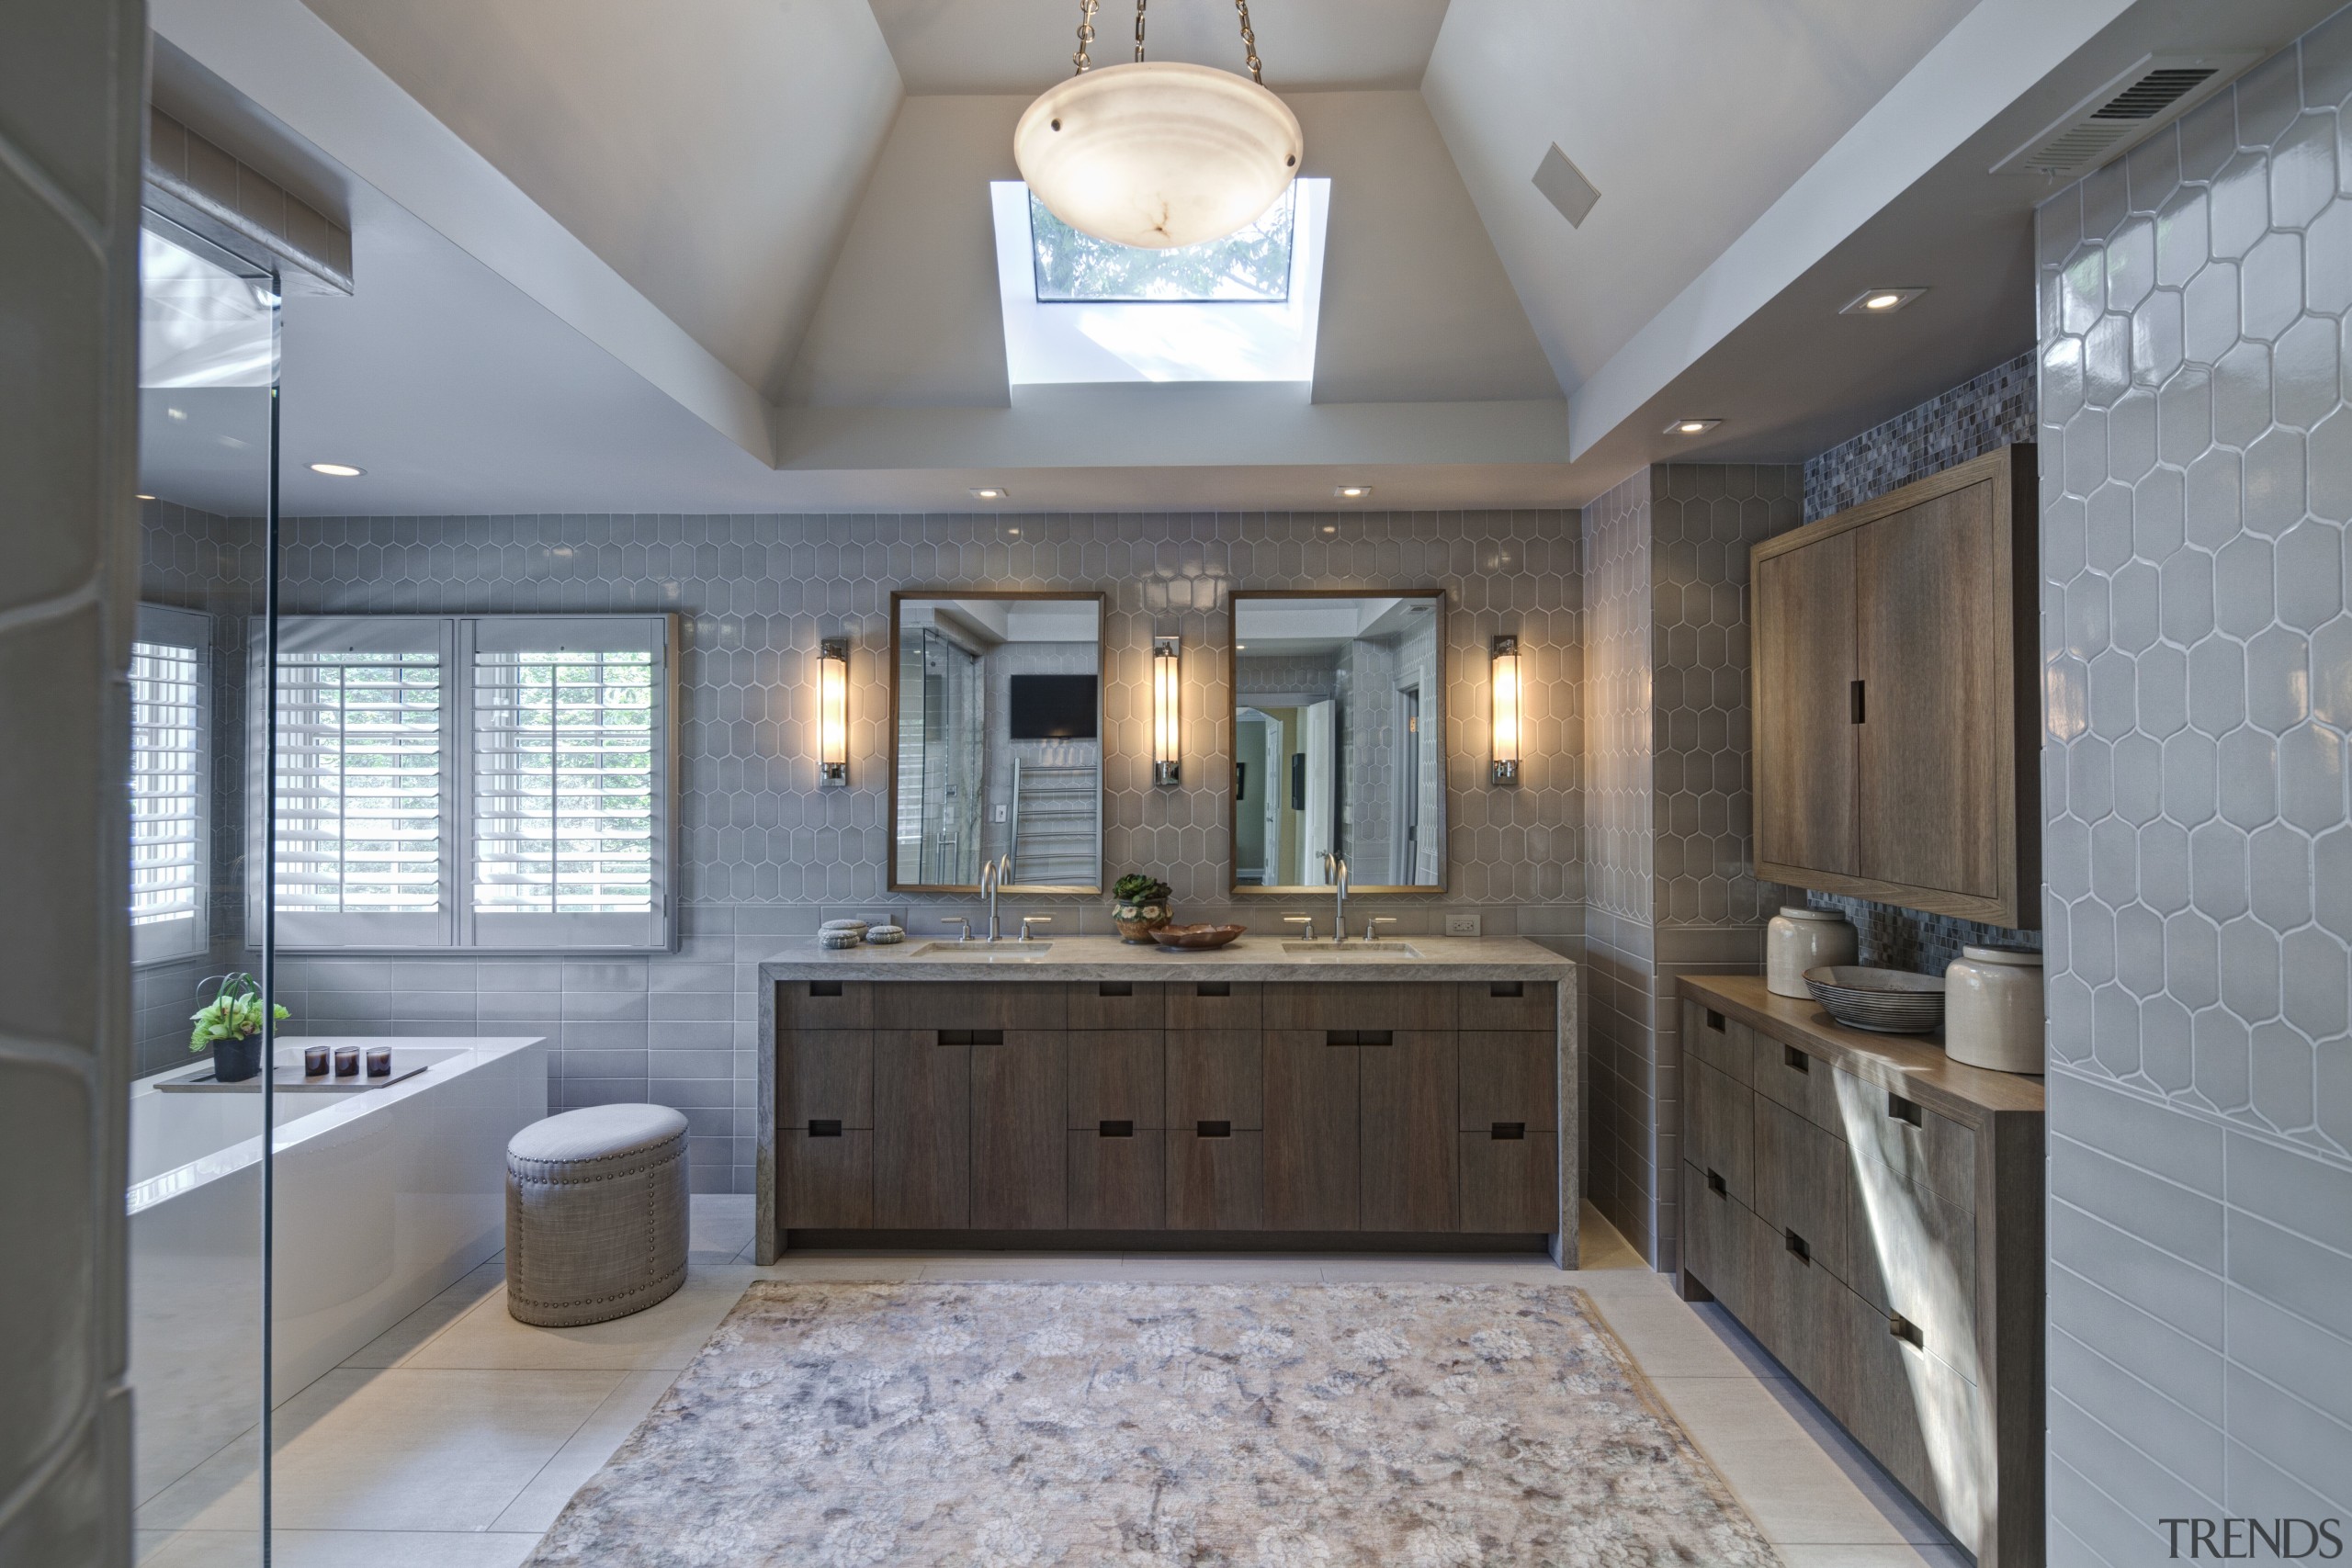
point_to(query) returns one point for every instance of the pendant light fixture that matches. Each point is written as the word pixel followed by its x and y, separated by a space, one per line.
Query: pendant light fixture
pixel 1156 153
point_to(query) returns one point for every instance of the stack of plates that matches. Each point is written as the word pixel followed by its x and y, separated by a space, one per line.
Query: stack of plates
pixel 1891 1001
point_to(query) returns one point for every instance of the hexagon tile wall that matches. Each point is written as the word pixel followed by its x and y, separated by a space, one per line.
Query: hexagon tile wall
pixel 767 853
pixel 2197 479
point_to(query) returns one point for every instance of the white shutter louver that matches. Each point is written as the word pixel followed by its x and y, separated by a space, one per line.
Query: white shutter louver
pixel 362 855
pixel 170 816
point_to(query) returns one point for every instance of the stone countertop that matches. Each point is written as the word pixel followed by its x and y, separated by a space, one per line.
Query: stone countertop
pixel 1253 957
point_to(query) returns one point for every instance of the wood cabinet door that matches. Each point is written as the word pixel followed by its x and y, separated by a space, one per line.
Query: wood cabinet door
pixel 923 1130
pixel 1930 599
pixel 1216 1183
pixel 1020 1155
pixel 826 1178
pixel 1116 1074
pixel 1215 1074
pixel 1310 1137
pixel 1408 1126
pixel 1117 1180
pixel 825 1075
pixel 1804 671
pixel 1509 1185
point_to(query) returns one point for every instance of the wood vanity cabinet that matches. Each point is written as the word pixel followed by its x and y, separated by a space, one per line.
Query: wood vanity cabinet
pixel 1897 718
pixel 1871 1213
pixel 1309 1109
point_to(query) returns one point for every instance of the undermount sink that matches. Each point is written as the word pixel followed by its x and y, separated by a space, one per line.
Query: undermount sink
pixel 1387 947
pixel 985 953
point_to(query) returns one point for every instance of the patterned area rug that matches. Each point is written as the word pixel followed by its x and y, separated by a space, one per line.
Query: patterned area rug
pixel 1262 1426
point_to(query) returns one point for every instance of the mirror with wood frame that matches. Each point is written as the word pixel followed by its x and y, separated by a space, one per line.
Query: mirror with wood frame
pixel 996 740
pixel 1339 726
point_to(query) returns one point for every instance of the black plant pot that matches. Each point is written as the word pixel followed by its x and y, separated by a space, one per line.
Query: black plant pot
pixel 234 1061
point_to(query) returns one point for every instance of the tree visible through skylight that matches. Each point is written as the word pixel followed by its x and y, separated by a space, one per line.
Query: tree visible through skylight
pixel 1252 265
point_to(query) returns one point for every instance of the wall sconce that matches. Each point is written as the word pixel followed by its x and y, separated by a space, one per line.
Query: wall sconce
pixel 1505 689
pixel 832 710
pixel 1167 728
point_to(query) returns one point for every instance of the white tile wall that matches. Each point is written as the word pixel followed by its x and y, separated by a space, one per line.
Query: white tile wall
pixel 2197 466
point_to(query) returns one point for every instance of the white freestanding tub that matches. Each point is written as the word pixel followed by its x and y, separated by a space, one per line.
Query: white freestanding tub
pixel 383 1198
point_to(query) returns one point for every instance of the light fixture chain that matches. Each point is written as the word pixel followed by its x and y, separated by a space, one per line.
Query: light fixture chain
pixel 1249 43
pixel 1139 5
pixel 1086 9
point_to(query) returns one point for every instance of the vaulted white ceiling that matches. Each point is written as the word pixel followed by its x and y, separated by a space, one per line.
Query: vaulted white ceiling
pixel 770 217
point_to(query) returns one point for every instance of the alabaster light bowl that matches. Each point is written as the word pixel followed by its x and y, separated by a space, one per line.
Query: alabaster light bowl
pixel 1195 936
pixel 1889 1001
pixel 1157 154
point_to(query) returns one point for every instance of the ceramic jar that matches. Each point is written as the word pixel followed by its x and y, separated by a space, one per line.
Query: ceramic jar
pixel 1799 939
pixel 1993 1008
pixel 1137 920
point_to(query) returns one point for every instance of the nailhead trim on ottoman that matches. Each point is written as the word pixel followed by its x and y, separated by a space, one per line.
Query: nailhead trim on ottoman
pixel 596 1220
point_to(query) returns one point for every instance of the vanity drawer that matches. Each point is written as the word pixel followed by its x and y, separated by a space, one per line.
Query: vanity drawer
pixel 1802 1184
pixel 1309 1004
pixel 1715 1241
pixel 826 1075
pixel 1719 1040
pixel 824 1004
pixel 1217 1075
pixel 1117 1075
pixel 1914 1253
pixel 1926 1147
pixel 1511 1185
pixel 1929 1426
pixel 827 1182
pixel 1510 1076
pixel 1506 1004
pixel 1118 1181
pixel 1116 1004
pixel 1719 1129
pixel 1804 1083
pixel 1215 1004
pixel 970 1004
pixel 1796 1309
pixel 1216 1183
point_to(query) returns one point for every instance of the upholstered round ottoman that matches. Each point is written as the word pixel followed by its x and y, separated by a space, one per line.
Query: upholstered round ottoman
pixel 595 1215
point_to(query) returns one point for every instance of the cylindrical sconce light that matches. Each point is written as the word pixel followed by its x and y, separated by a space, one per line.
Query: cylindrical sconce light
pixel 1167 692
pixel 1504 688
pixel 832 710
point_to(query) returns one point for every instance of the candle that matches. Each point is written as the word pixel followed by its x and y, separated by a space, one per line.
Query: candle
pixel 380 1061
pixel 314 1061
pixel 346 1060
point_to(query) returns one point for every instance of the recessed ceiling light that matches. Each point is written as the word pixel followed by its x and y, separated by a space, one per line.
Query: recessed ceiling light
pixel 1692 426
pixel 991 492
pixel 146 497
pixel 1352 492
pixel 337 470
pixel 1880 301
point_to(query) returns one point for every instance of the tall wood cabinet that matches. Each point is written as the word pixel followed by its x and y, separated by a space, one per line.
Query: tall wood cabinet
pixel 1897 723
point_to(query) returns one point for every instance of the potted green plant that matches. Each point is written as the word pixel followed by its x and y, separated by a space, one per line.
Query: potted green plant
pixel 1138 907
pixel 230 1024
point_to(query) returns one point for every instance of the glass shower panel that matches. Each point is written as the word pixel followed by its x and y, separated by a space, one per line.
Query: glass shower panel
pixel 197 1203
pixel 942 740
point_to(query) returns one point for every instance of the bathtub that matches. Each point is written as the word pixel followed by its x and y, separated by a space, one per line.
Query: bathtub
pixel 384 1198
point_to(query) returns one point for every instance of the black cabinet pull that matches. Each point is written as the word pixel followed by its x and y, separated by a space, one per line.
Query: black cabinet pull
pixel 1508 1131
pixel 971 1037
pixel 1118 1128
pixel 824 987
pixel 1903 1110
pixel 1215 1129
pixel 1798 1246
pixel 1506 989
pixel 1114 987
pixel 823 1129
pixel 1716 1185
pixel 1358 1037
pixel 1714 1021
pixel 1855 693
pixel 1213 988
pixel 1903 1328
pixel 1794 1060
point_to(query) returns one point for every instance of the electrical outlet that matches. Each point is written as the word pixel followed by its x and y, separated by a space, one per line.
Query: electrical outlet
pixel 1462 925
pixel 999 813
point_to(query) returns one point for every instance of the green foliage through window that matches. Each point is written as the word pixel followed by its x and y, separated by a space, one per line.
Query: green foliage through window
pixel 1250 267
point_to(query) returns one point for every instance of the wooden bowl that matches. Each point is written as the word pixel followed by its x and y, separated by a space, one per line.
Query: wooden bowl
pixel 1196 937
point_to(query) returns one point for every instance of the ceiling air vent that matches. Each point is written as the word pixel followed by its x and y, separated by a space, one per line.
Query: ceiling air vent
pixel 2156 91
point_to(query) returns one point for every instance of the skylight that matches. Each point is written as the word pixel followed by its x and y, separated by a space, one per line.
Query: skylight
pixel 1082 309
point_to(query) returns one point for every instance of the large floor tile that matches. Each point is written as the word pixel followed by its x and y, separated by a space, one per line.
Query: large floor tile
pixel 337 1549
pixel 1907 1555
pixel 1666 1339
pixel 664 1334
pixel 597 1439
pixel 411 1333
pixel 1795 1493
pixel 401 1450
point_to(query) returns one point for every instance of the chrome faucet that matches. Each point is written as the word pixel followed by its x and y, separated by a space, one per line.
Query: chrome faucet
pixel 991 878
pixel 1339 870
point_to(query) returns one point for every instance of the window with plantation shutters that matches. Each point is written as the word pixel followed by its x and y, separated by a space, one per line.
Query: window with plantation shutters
pixel 170 799
pixel 493 782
